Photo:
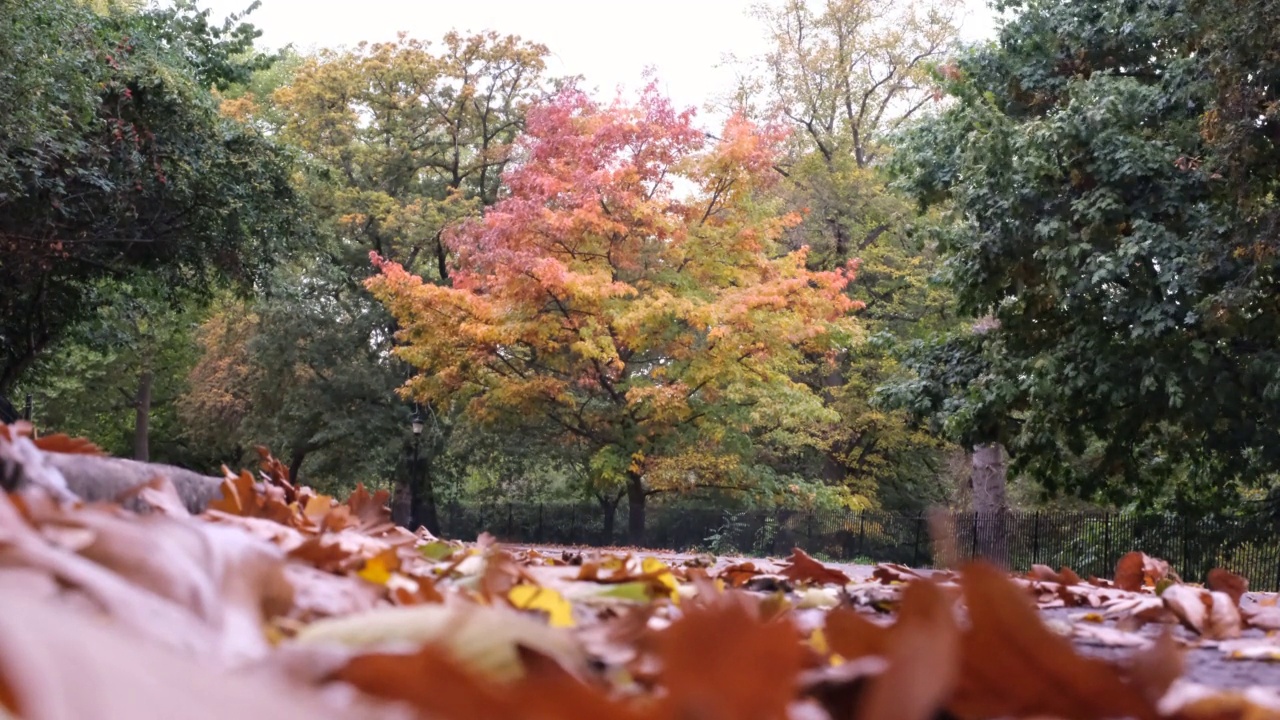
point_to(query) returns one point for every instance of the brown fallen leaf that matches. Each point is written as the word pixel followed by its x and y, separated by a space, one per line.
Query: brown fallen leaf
pixel 852 636
pixel 923 659
pixel 1210 614
pixel 1065 576
pixel 894 573
pixel 1263 617
pixel 738 575
pixel 58 664
pixel 1136 570
pixel 1227 582
pixel 721 661
pixel 802 568
pixel 1012 666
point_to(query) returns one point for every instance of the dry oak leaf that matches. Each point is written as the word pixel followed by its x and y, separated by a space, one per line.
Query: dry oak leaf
pixel 1233 585
pixel 738 575
pixel 1011 665
pixel 923 659
pixel 721 661
pixel 439 687
pixel 851 636
pixel 1210 614
pixel 893 573
pixel 801 568
pixel 1065 576
pixel 1136 570
pixel 59 664
pixel 1264 617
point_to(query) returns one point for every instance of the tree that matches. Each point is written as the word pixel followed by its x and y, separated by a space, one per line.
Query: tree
pixel 1106 168
pixel 846 75
pixel 114 161
pixel 662 333
pixel 399 139
pixel 115 376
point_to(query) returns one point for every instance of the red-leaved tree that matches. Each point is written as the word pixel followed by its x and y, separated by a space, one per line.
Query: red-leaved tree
pixel 629 294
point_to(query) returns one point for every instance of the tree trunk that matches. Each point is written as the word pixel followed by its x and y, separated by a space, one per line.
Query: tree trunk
pixel 142 417
pixel 425 511
pixel 834 470
pixel 295 465
pixel 610 509
pixel 990 502
pixel 635 509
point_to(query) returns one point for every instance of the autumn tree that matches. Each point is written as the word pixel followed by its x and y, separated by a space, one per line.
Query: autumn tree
pixel 846 75
pixel 1107 165
pixel 660 329
pixel 399 139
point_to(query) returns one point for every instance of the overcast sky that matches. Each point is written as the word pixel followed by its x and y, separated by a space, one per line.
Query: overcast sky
pixel 609 42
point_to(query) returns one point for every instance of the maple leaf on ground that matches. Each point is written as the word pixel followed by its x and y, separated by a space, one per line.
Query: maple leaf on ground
pixel 801 568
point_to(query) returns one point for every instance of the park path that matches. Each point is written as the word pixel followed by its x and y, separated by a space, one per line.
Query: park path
pixel 1204 665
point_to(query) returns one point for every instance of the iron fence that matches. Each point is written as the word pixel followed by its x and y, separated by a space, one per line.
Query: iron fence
pixel 1088 542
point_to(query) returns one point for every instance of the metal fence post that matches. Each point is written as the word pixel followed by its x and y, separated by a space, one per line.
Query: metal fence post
pixel 809 530
pixel 973 552
pixel 510 522
pixel 915 551
pixel 1106 544
pixel 862 531
pixel 1035 539
pixel 539 536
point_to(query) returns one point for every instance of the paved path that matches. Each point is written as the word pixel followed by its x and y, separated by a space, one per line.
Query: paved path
pixel 1208 666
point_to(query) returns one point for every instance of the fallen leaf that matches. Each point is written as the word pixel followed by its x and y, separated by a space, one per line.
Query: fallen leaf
pixel 923 659
pixel 720 661
pixel 802 568
pixel 1210 614
pixel 738 575
pixel 60 664
pixel 852 636
pixel 531 597
pixel 1233 585
pixel 1136 570
pixel 1011 665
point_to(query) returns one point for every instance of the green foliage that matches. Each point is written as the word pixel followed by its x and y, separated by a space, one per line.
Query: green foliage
pixel 1127 342
pixel 114 160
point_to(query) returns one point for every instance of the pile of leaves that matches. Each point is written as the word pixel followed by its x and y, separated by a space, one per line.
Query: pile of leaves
pixel 280 602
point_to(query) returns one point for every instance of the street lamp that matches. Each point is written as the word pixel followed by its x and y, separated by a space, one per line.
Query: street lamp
pixel 415 422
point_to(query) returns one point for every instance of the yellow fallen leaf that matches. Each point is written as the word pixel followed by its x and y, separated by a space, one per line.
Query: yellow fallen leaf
pixel 532 597
pixel 662 573
pixel 378 568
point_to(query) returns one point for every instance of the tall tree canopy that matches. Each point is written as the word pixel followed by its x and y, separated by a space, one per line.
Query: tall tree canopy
pixel 845 75
pixel 114 160
pixel 1109 169
pixel 660 331
pixel 399 139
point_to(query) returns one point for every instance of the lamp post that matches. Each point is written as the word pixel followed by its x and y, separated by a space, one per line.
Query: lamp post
pixel 415 424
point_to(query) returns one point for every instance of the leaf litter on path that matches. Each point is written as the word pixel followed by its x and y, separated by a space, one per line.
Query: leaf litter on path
pixel 280 602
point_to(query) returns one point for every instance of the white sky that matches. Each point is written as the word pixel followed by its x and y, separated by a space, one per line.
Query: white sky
pixel 607 41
